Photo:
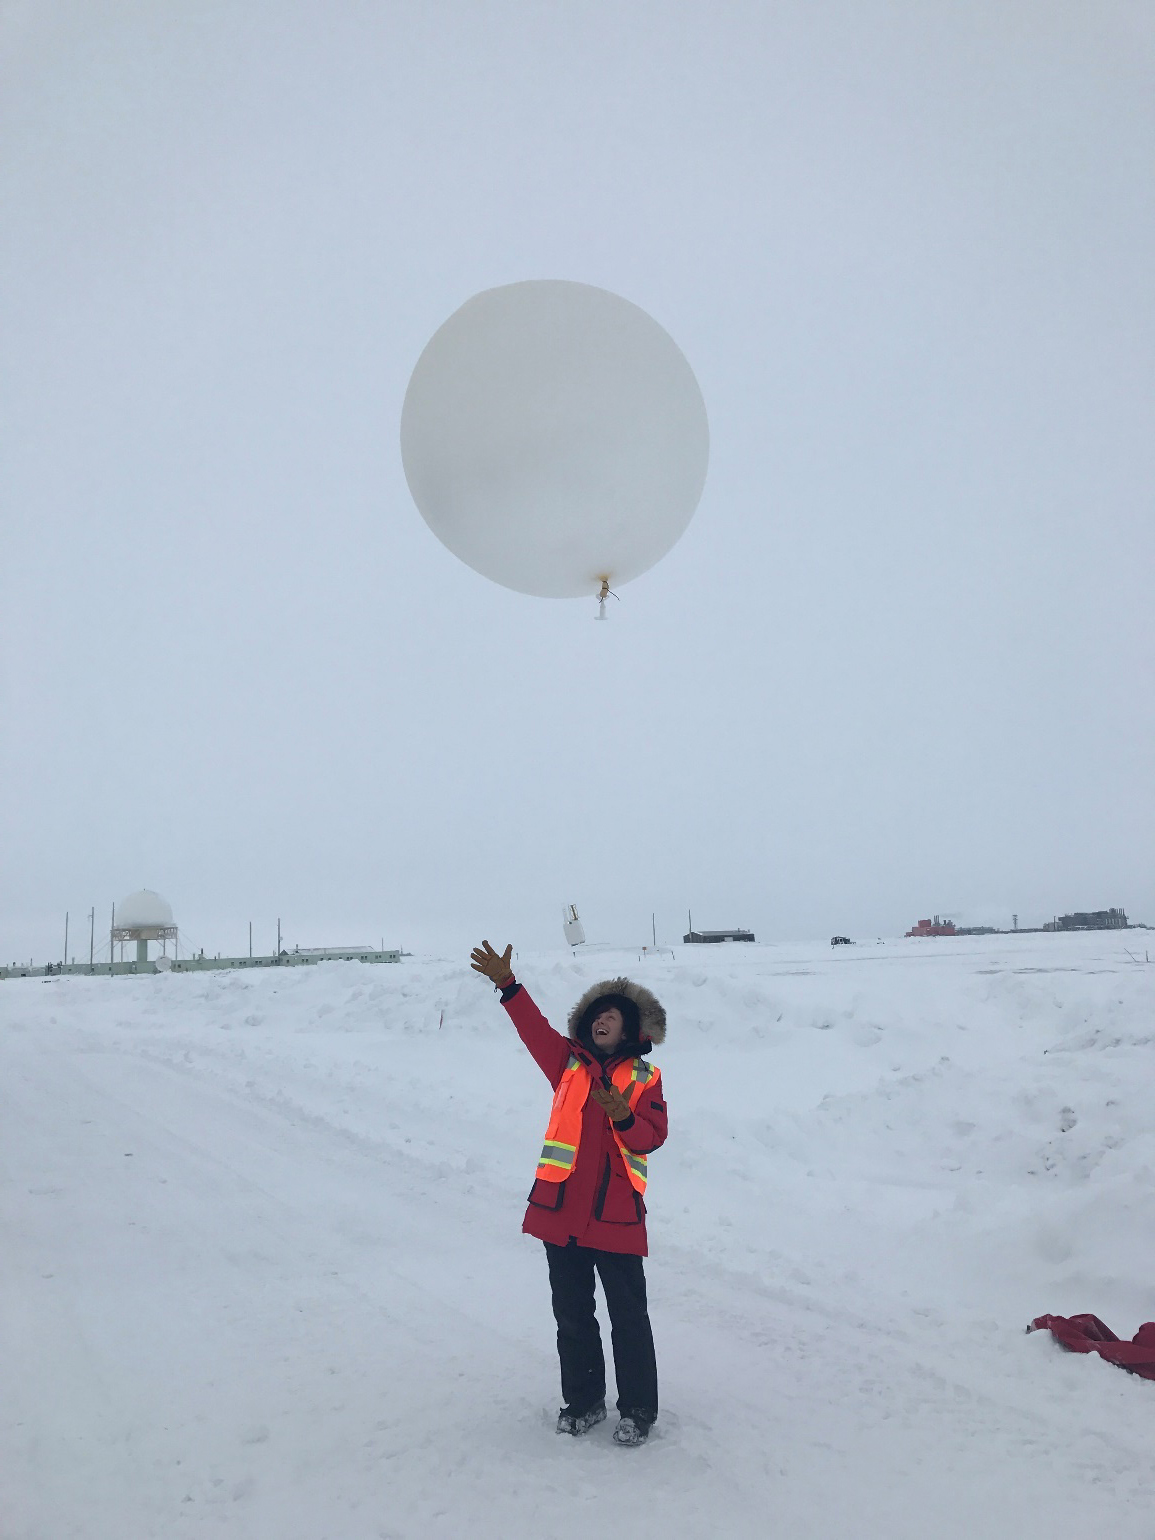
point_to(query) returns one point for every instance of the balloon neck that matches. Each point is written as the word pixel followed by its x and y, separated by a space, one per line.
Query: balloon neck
pixel 603 595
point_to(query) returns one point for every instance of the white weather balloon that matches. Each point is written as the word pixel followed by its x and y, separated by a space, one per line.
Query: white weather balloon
pixel 554 438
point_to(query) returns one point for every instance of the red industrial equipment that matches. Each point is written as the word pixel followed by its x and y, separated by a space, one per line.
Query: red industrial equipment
pixel 935 927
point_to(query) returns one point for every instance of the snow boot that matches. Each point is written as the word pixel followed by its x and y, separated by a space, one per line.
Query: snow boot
pixel 578 1423
pixel 633 1429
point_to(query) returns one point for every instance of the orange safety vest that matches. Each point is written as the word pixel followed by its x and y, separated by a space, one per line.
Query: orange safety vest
pixel 559 1153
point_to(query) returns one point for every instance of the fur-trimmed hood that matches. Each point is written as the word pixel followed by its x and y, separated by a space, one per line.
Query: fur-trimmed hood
pixel 651 1014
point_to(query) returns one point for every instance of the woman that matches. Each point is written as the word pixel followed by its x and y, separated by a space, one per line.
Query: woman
pixel 586 1203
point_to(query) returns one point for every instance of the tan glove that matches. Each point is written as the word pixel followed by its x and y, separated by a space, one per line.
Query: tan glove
pixel 612 1102
pixel 494 967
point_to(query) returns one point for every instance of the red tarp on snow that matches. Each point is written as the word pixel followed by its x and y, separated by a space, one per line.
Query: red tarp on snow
pixel 1087 1334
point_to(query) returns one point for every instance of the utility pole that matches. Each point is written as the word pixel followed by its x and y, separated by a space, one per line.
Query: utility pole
pixel 111 943
pixel 66 936
pixel 278 938
pixel 654 929
pixel 250 938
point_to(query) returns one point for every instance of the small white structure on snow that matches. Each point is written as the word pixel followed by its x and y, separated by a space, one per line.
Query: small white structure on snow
pixel 143 917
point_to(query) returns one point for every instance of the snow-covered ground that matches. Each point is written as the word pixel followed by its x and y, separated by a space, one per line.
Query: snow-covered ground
pixel 262 1271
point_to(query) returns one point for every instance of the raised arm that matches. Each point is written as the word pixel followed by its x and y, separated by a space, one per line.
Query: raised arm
pixel 550 1050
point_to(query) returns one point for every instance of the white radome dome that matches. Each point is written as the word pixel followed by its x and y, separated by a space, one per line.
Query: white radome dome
pixel 145 910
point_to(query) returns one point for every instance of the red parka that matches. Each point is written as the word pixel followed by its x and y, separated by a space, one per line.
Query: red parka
pixel 596 1205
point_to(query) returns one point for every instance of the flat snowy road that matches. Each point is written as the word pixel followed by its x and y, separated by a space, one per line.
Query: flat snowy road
pixel 262 1278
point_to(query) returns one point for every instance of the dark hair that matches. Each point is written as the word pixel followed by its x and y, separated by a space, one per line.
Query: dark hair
pixel 631 1020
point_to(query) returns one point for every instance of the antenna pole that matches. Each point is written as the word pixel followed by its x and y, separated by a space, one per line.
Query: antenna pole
pixel 111 943
pixel 654 929
pixel 250 938
pixel 278 938
pixel 66 936
pixel 91 933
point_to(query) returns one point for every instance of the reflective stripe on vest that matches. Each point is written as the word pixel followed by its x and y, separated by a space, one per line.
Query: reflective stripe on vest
pixel 559 1152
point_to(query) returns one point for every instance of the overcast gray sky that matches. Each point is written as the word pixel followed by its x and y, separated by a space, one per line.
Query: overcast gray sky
pixel 902 661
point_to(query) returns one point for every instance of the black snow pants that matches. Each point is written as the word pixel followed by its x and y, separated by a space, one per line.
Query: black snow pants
pixel 579 1342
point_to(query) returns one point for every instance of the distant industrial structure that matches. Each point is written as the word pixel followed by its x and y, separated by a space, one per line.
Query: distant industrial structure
pixel 145 916
pixel 935 927
pixel 1097 919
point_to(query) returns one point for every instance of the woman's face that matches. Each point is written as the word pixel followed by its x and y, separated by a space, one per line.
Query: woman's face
pixel 607 1028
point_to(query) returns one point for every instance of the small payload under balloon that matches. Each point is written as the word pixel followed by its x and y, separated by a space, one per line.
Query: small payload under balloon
pixel 554 438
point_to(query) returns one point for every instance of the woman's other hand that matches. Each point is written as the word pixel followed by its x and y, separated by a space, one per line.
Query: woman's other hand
pixel 612 1102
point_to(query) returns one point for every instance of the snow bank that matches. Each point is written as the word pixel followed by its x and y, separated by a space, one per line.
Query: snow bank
pixel 263 1273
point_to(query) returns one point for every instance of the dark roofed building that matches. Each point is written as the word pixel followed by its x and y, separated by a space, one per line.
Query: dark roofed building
pixel 718 935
